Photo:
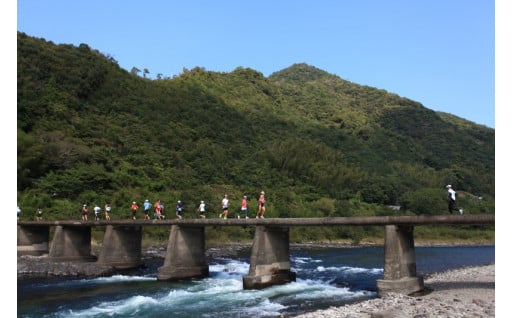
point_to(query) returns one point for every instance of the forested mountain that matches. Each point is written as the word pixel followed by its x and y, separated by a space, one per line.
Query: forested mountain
pixel 318 145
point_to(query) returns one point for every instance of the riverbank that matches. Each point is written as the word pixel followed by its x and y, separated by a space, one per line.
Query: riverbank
pixel 464 292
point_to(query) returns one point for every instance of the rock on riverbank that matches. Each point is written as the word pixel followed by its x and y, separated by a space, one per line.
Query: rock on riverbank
pixel 41 267
pixel 465 292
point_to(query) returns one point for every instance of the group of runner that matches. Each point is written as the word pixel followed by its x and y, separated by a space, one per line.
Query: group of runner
pixel 133 209
pixel 243 208
pixel 97 210
pixel 158 209
pixel 158 212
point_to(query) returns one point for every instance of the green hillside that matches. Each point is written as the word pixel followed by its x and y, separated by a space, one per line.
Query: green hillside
pixel 91 132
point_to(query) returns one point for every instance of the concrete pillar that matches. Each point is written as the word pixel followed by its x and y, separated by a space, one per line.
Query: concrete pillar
pixel 399 262
pixel 33 240
pixel 185 257
pixel 122 247
pixel 71 243
pixel 270 258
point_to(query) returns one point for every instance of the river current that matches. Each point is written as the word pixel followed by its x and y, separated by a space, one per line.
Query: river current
pixel 326 276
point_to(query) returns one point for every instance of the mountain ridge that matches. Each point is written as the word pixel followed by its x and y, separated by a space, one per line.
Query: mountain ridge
pixel 90 131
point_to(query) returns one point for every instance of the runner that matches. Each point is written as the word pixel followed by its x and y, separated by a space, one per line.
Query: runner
pixel 97 210
pixel 202 210
pixel 225 207
pixel 107 211
pixel 85 212
pixel 261 206
pixel 243 208
pixel 134 209
pixel 39 214
pixel 147 207
pixel 179 209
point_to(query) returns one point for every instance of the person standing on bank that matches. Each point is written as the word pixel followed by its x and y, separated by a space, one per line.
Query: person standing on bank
pixel 225 207
pixel 261 206
pixel 19 212
pixel 243 208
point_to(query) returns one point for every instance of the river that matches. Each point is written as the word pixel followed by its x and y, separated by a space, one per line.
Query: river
pixel 326 276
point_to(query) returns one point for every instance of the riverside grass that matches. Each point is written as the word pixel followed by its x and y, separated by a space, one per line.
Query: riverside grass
pixel 454 237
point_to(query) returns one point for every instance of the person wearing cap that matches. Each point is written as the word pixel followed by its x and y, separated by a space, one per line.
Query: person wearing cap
pixel 85 212
pixel 261 206
pixel 179 209
pixel 134 209
pixel 451 200
pixel 147 207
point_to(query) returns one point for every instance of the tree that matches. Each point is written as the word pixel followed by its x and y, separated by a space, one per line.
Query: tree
pixel 135 71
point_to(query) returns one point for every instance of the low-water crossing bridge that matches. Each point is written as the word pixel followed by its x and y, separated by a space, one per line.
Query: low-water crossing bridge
pixel 270 257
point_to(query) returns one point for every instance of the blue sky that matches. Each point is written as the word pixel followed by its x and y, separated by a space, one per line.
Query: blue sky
pixel 437 52
pixel 440 53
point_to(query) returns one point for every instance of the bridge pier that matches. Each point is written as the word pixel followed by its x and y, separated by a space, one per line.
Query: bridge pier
pixel 185 257
pixel 33 240
pixel 121 247
pixel 270 258
pixel 71 243
pixel 270 261
pixel 399 262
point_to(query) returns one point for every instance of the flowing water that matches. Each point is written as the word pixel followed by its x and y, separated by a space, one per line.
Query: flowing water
pixel 326 276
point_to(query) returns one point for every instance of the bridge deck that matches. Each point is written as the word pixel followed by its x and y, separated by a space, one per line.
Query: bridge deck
pixel 475 219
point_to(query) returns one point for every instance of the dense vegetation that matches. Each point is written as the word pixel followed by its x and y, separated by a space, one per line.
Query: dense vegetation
pixel 319 146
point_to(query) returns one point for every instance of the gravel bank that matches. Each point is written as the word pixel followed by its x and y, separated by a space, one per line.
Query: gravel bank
pixel 465 292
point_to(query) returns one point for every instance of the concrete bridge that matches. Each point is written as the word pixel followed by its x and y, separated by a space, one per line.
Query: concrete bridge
pixel 270 257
